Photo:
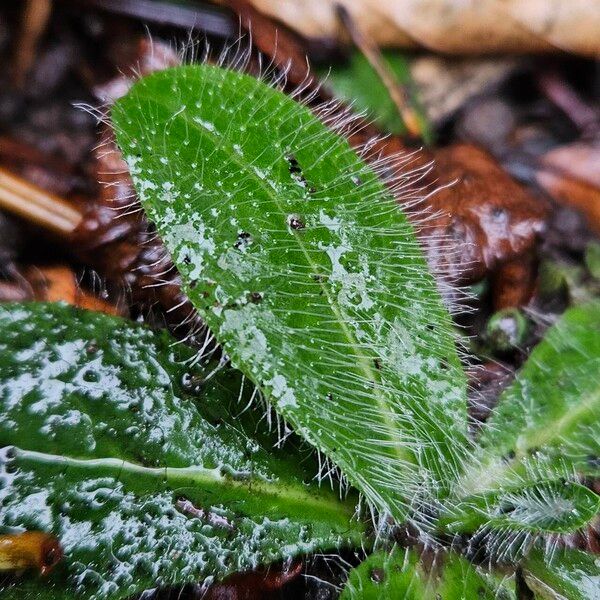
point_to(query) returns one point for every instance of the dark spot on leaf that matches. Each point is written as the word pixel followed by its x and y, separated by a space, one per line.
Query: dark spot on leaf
pixel 255 297
pixel 377 363
pixel 356 180
pixel 294 166
pixel 91 376
pixel 377 575
pixel 244 239
pixel 296 172
pixel 296 222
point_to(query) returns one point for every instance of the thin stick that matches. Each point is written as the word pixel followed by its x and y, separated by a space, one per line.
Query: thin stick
pixel 37 205
pixel 395 89
pixel 34 22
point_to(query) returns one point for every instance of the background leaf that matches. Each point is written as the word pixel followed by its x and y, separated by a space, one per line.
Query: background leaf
pixel 543 432
pixel 570 574
pixel 358 83
pixel 306 271
pixel 143 483
pixel 400 574
pixel 554 404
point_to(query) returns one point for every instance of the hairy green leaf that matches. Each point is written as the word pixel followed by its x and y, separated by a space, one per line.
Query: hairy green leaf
pixel 553 407
pixel 400 574
pixel 307 272
pixel 143 483
pixel 358 83
pixel 544 429
pixel 566 575
pixel 554 506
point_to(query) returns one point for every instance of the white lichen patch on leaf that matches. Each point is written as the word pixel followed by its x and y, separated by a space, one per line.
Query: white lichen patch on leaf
pixel 342 327
pixel 143 484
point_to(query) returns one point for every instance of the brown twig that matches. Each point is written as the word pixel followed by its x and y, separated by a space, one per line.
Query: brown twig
pixel 37 205
pixel 33 24
pixel 395 89
pixel 584 116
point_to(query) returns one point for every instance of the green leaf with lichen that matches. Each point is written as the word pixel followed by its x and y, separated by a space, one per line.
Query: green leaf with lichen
pixel 144 483
pixel 308 273
pixel 565 574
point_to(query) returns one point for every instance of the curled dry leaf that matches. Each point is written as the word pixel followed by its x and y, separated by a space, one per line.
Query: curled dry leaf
pixel 478 220
pixel 573 192
pixel 579 160
pixel 453 26
pixel 488 215
pixel 514 282
pixel 114 236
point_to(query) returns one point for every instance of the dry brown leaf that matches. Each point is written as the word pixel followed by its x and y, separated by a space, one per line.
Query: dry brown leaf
pixel 446 84
pixel 59 284
pixel 453 26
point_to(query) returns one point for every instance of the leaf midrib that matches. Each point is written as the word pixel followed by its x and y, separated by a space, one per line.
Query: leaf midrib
pixel 288 493
pixel 572 415
pixel 492 473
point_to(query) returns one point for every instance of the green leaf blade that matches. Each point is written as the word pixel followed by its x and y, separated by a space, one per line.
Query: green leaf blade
pixel 550 507
pixel 307 272
pixel 566 574
pixel 143 483
pixel 400 574
pixel 358 83
pixel 554 404
pixel 542 437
